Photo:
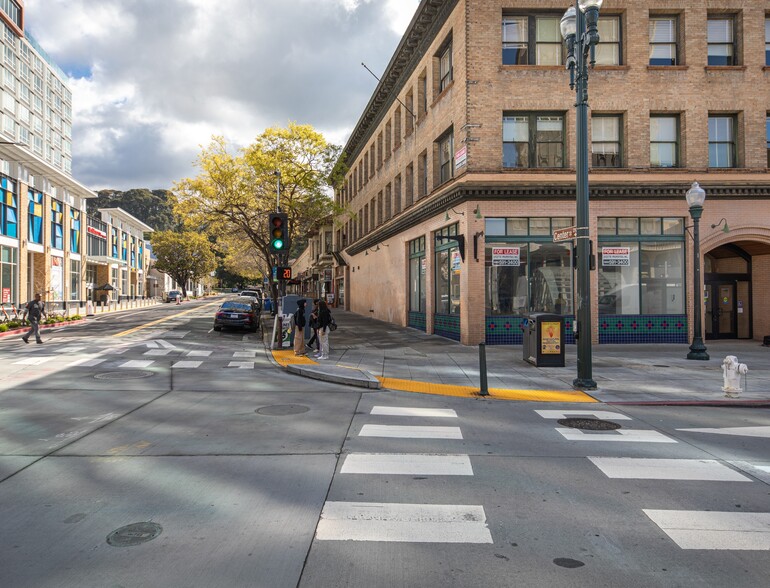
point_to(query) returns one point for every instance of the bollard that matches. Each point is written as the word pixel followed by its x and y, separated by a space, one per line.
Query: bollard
pixel 484 391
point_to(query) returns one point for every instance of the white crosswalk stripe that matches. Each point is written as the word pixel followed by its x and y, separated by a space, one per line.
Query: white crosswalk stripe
pixel 198 353
pixel 33 360
pixel 409 432
pixel 70 349
pixel 85 362
pixel 157 352
pixel 407 464
pixel 622 435
pixel 241 365
pixel 409 411
pixel 692 529
pixel 137 363
pixel 186 364
pixel 667 469
pixel 597 414
pixel 245 354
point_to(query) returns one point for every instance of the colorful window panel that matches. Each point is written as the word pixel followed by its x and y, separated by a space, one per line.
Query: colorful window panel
pixel 141 254
pixel 57 224
pixel 124 247
pixel 8 208
pixel 114 242
pixel 35 223
pixel 74 230
pixel 133 252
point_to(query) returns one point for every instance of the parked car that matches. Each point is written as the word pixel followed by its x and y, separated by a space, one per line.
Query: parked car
pixel 172 295
pixel 237 314
pixel 254 295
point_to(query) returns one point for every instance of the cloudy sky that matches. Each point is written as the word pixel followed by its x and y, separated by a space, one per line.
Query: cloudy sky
pixel 152 80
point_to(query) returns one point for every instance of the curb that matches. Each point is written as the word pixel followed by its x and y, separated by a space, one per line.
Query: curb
pixel 703 403
pixel 361 379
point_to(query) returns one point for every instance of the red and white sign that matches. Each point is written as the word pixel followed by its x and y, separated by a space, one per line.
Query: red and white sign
pixel 96 232
pixel 6 295
pixel 616 256
pixel 506 256
pixel 461 157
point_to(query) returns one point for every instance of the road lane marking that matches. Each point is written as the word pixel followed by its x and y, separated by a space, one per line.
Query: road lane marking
pixel 599 414
pixel 166 344
pixel 163 320
pixel 70 349
pixel 198 353
pixel 137 363
pixel 631 435
pixel 707 470
pixel 33 361
pixel 407 432
pixel 245 354
pixel 408 411
pixel 407 464
pixel 244 365
pixel 692 529
pixel 85 362
pixel 763 432
pixel 157 352
pixel 406 523
pixel 186 364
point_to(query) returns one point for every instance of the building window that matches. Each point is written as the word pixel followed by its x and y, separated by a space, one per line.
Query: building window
pixel 544 29
pixel 133 252
pixel 663 40
pixel 9 274
pixel 664 141
pixel 9 209
pixel 445 68
pixel 417 271
pixel 608 49
pixel 57 224
pixel 74 279
pixel 422 175
pixel 721 40
pixel 605 141
pixel 35 216
pixel 767 137
pixel 533 140
pixel 388 138
pixel 124 246
pixel 767 41
pixel 397 194
pixel 448 266
pixel 96 235
pixel 388 202
pixel 422 93
pixel 446 157
pixel 409 188
pixel 74 230
pixel 379 150
pixel 13 11
pixel 409 116
pixel 722 141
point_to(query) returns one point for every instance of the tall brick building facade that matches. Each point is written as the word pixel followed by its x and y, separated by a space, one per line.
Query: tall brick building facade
pixel 463 164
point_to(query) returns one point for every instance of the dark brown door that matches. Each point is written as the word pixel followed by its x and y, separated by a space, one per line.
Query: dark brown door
pixel 721 310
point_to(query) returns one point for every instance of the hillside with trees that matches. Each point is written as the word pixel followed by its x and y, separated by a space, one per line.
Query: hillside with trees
pixel 152 207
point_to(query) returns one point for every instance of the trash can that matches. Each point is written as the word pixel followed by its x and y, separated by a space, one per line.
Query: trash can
pixel 543 344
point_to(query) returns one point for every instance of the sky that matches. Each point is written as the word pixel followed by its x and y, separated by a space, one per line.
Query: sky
pixel 153 80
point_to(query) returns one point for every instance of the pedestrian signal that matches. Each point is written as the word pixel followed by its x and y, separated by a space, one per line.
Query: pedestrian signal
pixel 278 228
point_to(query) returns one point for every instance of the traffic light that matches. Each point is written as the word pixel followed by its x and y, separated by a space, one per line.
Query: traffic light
pixel 279 232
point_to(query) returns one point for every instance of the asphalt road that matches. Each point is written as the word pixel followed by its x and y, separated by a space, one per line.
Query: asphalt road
pixel 226 471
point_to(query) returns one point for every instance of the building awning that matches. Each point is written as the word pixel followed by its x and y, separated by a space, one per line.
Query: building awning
pixel 104 260
pixel 339 259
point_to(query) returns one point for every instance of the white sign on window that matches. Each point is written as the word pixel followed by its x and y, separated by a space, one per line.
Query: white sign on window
pixel 616 256
pixel 506 256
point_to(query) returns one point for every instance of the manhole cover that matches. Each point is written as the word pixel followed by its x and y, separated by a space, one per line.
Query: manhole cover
pixel 135 375
pixel 134 534
pixel 566 562
pixel 282 409
pixel 589 424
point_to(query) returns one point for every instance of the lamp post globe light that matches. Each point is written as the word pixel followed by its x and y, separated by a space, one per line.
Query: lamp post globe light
pixel 579 29
pixel 696 196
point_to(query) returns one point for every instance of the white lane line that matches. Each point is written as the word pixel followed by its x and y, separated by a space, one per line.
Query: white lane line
pixel 173 334
pixel 407 464
pixel 692 529
pixel 667 469
pixel 599 414
pixel 419 412
pixel 151 345
pixel 197 353
pixel 244 365
pixel 406 432
pixel 70 349
pixel 245 354
pixel 137 363
pixel 763 468
pixel 85 362
pixel 186 364
pixel 763 432
pixel 631 435
pixel 166 344
pixel 33 361
pixel 407 523
pixel 156 352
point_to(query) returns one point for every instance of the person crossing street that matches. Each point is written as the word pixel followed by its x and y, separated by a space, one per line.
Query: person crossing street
pixel 36 310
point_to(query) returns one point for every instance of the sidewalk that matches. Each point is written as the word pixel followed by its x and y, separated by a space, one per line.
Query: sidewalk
pixel 367 352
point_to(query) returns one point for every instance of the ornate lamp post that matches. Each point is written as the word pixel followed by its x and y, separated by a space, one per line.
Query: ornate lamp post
pixel 579 29
pixel 696 196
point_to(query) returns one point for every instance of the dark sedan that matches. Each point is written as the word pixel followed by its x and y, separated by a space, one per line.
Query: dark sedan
pixel 237 314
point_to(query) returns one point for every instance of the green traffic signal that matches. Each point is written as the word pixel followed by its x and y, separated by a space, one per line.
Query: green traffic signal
pixel 277 244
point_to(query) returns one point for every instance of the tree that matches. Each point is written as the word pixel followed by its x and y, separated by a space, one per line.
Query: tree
pixel 183 256
pixel 152 207
pixel 234 193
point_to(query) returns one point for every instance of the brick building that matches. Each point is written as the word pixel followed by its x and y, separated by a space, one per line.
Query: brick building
pixel 463 164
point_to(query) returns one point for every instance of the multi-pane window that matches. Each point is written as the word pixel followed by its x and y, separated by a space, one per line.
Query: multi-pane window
pixel 533 140
pixel 767 41
pixel 74 279
pixel 532 40
pixel 57 224
pixel 9 220
pixel 124 246
pixel 35 217
pixel 114 242
pixel 664 141
pixel 417 278
pixel 663 40
pixel 448 264
pixel 74 230
pixel 133 252
pixel 445 158
pixel 722 141
pixel 422 175
pixel 445 68
pixel 9 272
pixel 721 40
pixel 608 49
pixel 767 138
pixel 605 141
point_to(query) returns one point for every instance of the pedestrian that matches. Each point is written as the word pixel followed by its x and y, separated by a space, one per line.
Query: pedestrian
pixel 36 310
pixel 324 323
pixel 178 298
pixel 314 326
pixel 299 328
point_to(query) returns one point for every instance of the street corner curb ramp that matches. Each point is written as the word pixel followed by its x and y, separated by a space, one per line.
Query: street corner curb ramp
pixel 304 366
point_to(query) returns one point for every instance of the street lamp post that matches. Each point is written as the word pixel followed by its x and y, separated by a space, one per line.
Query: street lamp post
pixel 696 196
pixel 579 29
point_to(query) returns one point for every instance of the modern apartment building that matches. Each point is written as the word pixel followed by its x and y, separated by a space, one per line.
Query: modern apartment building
pixel 462 166
pixel 42 207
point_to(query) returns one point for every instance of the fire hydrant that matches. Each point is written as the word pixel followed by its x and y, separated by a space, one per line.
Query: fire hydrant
pixel 732 371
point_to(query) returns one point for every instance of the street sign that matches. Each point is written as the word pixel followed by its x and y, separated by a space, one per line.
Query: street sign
pixel 565 234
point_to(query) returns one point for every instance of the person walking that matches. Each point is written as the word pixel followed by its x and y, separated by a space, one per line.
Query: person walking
pixel 299 328
pixel 314 326
pixel 36 310
pixel 324 322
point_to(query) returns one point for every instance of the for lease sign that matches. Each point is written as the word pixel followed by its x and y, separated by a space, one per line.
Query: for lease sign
pixel 506 256
pixel 616 256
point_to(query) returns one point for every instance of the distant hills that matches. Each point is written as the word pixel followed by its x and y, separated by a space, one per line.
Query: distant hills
pixel 152 207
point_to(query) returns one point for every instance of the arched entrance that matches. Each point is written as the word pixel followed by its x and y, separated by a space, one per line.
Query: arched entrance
pixel 730 273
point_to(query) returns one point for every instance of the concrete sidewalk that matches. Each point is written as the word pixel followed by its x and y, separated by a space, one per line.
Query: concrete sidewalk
pixel 364 351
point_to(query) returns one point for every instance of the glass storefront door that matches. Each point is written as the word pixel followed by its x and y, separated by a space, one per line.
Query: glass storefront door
pixel 721 311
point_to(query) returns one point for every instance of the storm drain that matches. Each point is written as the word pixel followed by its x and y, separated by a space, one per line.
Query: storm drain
pixel 566 562
pixel 589 424
pixel 282 409
pixel 134 534
pixel 127 375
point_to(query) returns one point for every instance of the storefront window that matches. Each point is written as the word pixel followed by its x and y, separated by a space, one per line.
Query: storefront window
pixel 448 268
pixel 74 230
pixel 35 217
pixel 9 275
pixel 8 208
pixel 74 280
pixel 417 269
pixel 57 224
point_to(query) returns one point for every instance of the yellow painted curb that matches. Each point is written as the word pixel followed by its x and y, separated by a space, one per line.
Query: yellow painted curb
pixel 163 320
pixel 498 393
pixel 286 357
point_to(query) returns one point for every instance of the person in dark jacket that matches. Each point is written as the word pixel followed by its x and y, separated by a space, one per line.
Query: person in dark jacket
pixel 299 328
pixel 36 311
pixel 314 326
pixel 324 320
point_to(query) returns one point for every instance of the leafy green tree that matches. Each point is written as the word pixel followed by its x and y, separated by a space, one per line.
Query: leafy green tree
pixel 152 207
pixel 183 256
